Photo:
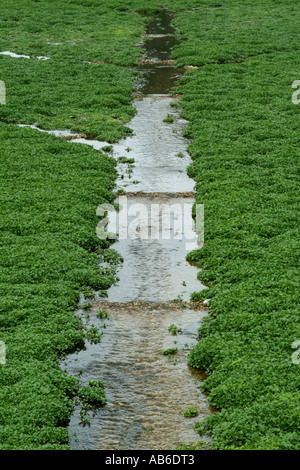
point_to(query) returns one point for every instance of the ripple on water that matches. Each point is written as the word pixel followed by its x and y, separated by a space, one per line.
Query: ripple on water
pixel 146 391
pixel 159 232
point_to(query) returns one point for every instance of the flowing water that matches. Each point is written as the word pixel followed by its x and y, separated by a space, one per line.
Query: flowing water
pixel 154 267
pixel 147 391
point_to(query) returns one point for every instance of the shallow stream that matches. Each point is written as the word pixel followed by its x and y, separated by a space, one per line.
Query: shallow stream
pixel 147 391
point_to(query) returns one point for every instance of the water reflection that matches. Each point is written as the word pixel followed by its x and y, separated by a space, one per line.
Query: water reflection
pixel 159 40
pixel 160 233
pixel 147 392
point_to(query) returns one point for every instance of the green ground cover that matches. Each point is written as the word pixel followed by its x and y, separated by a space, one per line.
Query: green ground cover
pixel 86 30
pixel 61 94
pixel 67 91
pixel 50 191
pixel 244 131
pixel 245 151
pixel 49 251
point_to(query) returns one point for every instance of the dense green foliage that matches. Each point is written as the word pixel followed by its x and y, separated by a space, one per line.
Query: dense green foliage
pixel 190 412
pixel 48 250
pixel 85 30
pixel 60 94
pixel 234 30
pixel 50 191
pixel 84 85
pixel 243 127
pixel 245 150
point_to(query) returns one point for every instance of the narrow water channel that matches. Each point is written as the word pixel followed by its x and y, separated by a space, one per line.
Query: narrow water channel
pixel 147 390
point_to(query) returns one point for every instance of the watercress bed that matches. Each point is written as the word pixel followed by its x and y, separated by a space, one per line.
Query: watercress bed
pixel 50 191
pixel 244 131
pixel 245 149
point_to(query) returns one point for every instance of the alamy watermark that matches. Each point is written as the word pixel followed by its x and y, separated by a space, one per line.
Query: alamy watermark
pixel 296 354
pixel 296 344
pixel 2 353
pixel 2 92
pixel 296 85
pixel 162 220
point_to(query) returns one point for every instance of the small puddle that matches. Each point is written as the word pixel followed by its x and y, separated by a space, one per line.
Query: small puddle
pixel 146 390
pixel 18 56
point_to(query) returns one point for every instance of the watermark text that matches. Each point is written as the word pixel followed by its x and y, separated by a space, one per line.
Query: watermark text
pixel 2 92
pixel 171 220
pixel 2 353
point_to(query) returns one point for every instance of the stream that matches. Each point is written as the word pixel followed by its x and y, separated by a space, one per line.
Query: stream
pixel 147 391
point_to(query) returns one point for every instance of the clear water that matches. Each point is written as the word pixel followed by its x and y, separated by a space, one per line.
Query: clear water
pixel 147 391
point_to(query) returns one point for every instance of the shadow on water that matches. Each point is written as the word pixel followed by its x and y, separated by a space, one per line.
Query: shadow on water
pixel 147 391
pixel 161 24
pixel 159 40
pixel 159 79
pixel 160 37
